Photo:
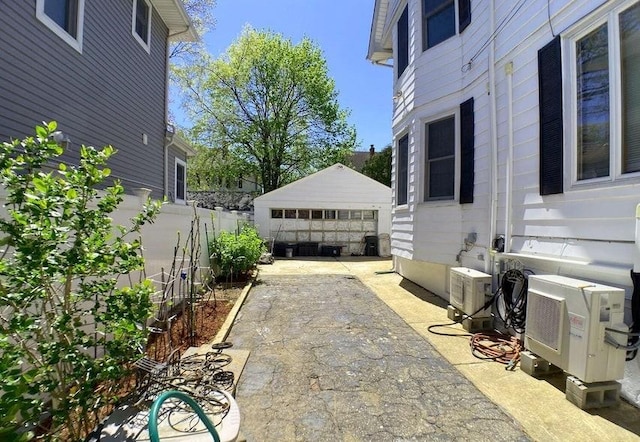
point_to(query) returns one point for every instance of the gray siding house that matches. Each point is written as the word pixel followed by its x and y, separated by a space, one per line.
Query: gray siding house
pixel 100 69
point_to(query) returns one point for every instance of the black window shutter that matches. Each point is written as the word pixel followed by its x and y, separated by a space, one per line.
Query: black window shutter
pixel 467 151
pixel 402 177
pixel 464 15
pixel 403 41
pixel 550 95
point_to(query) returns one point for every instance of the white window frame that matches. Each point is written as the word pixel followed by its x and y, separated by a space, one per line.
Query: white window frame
pixel 146 45
pixel 179 162
pixel 75 43
pixel 608 15
pixel 423 20
pixel 455 114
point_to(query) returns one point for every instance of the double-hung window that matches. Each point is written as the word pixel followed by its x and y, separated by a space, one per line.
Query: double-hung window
pixel 606 67
pixel 65 18
pixel 439 20
pixel 440 147
pixel 141 22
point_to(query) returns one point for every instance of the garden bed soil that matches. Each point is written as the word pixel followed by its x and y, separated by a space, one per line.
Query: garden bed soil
pixel 209 317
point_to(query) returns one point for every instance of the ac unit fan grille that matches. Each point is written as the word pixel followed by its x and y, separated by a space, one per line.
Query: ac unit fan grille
pixel 457 291
pixel 544 322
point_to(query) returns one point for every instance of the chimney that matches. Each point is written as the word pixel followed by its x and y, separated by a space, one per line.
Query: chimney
pixel 372 151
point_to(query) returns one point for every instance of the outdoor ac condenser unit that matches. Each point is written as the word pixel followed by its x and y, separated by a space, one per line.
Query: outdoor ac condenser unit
pixel 566 321
pixel 469 289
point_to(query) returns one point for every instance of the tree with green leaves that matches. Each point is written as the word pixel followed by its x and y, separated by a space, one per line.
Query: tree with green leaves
pixel 182 53
pixel 268 109
pixel 378 166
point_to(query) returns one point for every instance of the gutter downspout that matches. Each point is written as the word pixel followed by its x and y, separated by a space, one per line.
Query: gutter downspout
pixel 165 185
pixel 493 136
pixel 509 166
pixel 380 63
pixel 187 29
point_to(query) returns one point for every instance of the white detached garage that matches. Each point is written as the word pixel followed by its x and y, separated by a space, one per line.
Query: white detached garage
pixel 334 211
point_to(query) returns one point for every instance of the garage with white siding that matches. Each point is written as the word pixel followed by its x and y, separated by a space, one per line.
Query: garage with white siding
pixel 336 211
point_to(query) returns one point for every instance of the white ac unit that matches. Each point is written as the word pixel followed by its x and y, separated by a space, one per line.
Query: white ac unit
pixel 469 289
pixel 565 324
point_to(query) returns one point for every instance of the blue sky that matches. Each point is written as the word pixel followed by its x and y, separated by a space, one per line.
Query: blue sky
pixel 341 29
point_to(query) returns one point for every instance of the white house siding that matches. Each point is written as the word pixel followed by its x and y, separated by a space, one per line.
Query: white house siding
pixel 586 232
pixel 427 237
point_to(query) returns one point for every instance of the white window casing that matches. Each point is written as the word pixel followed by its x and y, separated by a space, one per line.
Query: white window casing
pixel 140 25
pixel 72 33
pixel 180 182
pixel 423 196
pixel 442 17
pixel 609 18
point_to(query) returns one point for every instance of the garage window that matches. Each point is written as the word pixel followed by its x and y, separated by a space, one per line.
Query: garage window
pixel 329 214
pixel 290 213
pixel 316 214
pixel 368 214
pixel 303 213
pixel 343 214
pixel 356 214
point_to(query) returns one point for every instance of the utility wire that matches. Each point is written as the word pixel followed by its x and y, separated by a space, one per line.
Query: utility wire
pixel 512 13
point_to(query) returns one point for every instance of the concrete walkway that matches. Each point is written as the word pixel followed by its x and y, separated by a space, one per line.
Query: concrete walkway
pixel 339 352
pixel 330 361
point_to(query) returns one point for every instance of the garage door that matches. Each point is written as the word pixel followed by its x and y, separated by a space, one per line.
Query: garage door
pixel 344 228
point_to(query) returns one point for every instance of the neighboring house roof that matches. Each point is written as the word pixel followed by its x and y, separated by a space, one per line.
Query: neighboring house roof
pixel 358 159
pixel 335 184
pixel 380 44
pixel 177 20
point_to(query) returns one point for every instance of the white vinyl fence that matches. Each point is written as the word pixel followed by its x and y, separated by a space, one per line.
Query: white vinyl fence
pixel 178 237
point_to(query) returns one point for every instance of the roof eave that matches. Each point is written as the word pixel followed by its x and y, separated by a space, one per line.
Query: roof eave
pixel 183 145
pixel 380 45
pixel 175 17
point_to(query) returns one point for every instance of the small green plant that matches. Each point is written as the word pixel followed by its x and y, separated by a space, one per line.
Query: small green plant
pixel 68 329
pixel 234 255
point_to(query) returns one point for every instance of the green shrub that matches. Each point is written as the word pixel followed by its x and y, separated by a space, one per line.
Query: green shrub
pixel 234 255
pixel 60 299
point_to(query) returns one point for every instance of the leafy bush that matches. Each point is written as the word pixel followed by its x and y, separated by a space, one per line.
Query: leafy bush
pixel 59 294
pixel 234 255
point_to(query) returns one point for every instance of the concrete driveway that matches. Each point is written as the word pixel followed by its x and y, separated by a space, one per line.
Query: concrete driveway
pixel 340 352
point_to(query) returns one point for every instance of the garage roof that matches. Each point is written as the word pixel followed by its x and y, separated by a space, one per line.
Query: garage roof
pixel 335 184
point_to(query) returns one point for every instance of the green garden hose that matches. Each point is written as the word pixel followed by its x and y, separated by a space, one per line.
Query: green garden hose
pixel 157 404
